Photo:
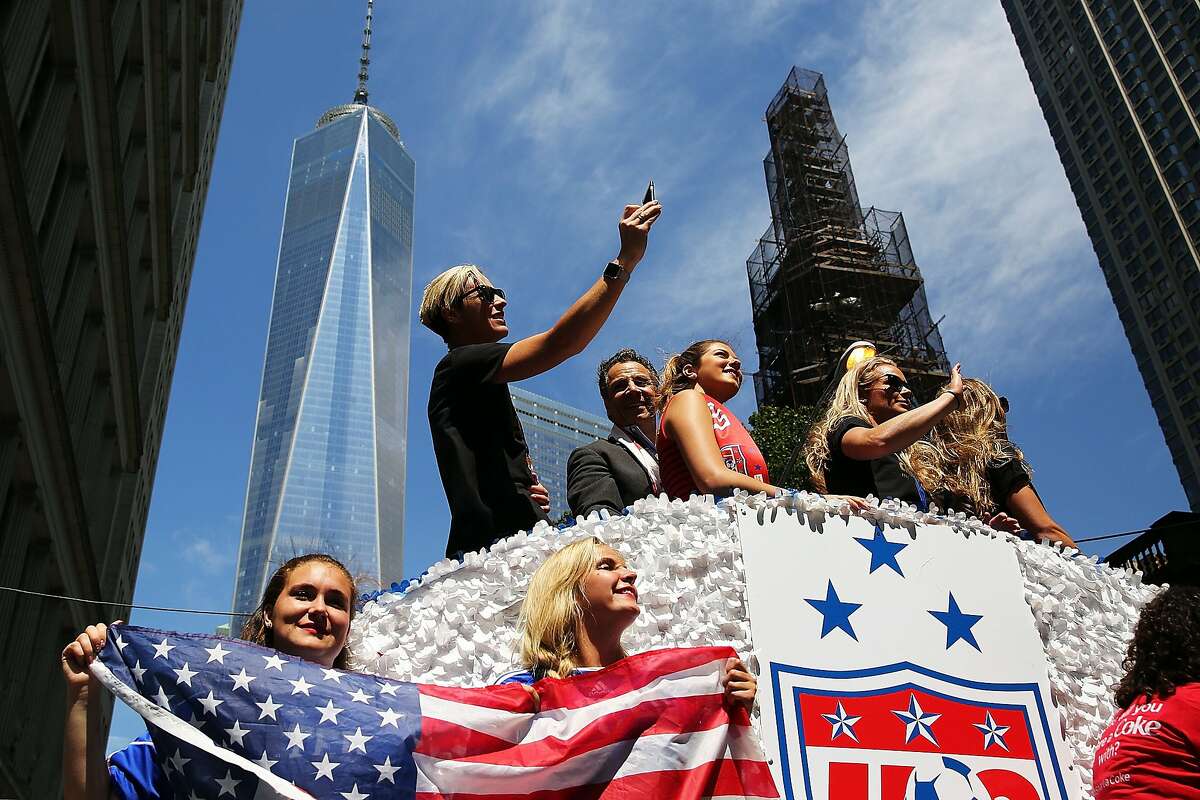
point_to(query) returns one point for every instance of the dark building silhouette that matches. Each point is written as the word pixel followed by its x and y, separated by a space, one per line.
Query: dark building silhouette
pixel 827 272
pixel 109 114
pixel 1118 84
pixel 1168 551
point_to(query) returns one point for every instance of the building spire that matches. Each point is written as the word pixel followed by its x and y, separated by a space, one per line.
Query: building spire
pixel 364 61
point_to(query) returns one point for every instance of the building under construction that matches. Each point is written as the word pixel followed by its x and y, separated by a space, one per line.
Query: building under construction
pixel 827 272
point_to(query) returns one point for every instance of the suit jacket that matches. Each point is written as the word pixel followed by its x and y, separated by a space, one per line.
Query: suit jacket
pixel 604 474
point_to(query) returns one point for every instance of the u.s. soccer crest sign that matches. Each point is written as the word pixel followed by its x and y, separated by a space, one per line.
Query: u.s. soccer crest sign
pixel 898 663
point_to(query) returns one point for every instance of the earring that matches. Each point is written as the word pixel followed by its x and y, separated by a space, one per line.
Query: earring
pixel 267 623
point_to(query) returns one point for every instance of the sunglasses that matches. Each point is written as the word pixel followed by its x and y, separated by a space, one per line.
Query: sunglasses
pixel 894 384
pixel 487 294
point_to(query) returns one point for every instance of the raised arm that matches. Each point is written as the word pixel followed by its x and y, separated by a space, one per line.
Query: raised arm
pixel 85 776
pixel 897 433
pixel 689 423
pixel 579 325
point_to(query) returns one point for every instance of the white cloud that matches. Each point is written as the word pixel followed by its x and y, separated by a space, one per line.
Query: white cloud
pixel 943 125
pixel 559 80
pixel 205 552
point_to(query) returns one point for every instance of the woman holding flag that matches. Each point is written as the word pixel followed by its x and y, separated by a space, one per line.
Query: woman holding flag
pixel 305 611
pixel 579 603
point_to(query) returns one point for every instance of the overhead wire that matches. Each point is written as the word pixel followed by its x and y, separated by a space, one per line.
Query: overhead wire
pixel 52 596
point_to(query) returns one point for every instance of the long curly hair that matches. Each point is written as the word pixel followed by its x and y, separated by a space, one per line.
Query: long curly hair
pixel 847 402
pixel 674 379
pixel 257 629
pixel 1165 651
pixel 955 455
pixel 552 614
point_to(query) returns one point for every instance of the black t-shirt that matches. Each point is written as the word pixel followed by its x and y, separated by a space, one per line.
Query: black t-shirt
pixel 480 449
pixel 1003 479
pixel 881 477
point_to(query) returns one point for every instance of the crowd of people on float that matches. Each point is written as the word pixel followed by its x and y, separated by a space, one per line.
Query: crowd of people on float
pixel 672 433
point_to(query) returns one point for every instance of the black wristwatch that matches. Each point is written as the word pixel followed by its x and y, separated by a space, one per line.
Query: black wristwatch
pixel 613 271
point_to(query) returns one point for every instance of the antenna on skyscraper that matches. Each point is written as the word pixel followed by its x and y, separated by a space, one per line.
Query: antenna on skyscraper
pixel 364 61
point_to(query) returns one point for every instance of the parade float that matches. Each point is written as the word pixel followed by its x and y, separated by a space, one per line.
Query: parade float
pixel 897 651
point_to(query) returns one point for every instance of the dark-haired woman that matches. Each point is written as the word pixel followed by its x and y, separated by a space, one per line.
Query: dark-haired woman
pixel 702 447
pixel 305 611
pixel 1151 749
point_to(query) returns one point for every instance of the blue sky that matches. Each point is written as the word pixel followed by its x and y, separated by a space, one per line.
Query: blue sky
pixel 530 128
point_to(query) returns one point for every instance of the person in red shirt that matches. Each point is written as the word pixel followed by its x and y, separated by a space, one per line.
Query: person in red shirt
pixel 1151 749
pixel 702 447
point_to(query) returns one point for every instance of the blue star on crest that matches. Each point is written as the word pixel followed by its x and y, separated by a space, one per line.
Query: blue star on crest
pixel 834 612
pixel 917 722
pixel 958 625
pixel 992 733
pixel 842 723
pixel 883 553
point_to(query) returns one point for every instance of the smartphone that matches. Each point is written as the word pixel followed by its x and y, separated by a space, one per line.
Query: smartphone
pixel 649 198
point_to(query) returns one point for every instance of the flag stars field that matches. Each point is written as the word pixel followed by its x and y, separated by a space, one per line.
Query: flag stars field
pixel 241 680
pixel 386 771
pixel 329 713
pixel 325 767
pixel 300 686
pixel 269 707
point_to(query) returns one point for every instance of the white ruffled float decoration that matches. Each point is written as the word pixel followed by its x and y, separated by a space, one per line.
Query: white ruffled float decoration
pixel 457 623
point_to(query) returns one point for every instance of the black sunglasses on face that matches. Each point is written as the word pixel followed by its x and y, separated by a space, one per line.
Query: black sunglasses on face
pixel 487 294
pixel 894 384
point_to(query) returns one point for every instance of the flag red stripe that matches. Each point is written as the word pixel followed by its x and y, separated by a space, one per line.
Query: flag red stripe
pixel 726 777
pixel 510 697
pixel 673 716
pixel 442 739
pixel 627 675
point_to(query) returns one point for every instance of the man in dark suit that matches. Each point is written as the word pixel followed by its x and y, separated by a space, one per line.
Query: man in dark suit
pixel 612 473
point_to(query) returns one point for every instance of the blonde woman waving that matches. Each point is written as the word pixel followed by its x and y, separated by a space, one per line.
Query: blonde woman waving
pixel 857 447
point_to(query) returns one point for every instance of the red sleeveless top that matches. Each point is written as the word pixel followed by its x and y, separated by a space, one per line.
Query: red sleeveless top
pixel 738 449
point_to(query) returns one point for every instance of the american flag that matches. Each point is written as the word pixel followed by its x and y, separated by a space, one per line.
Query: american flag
pixel 231 719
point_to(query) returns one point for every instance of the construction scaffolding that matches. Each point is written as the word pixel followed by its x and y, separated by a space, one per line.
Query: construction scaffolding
pixel 827 273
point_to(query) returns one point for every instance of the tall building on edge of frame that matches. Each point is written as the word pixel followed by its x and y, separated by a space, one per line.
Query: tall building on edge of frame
pixel 1119 85
pixel 109 116
pixel 828 272
pixel 328 462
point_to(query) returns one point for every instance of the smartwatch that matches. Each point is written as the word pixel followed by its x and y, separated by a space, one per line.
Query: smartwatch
pixel 615 272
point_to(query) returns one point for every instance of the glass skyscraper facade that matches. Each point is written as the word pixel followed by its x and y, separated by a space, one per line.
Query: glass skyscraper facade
pixel 328 462
pixel 1119 84
pixel 552 431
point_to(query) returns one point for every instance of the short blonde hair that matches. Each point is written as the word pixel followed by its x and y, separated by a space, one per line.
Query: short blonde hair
pixel 551 616
pixel 443 291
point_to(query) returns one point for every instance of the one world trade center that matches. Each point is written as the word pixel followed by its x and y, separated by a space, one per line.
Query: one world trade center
pixel 328 461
